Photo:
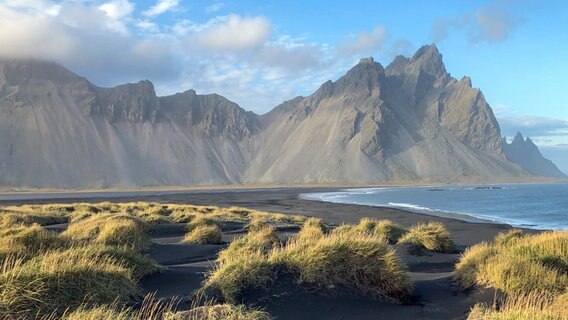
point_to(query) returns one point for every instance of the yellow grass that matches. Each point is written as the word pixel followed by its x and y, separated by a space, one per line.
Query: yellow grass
pixel 312 229
pixel 257 241
pixel 518 264
pixel 432 236
pixel 110 229
pixel 221 311
pixel 330 264
pixel 532 306
pixel 27 242
pixel 382 229
pixel 54 282
pixel 204 234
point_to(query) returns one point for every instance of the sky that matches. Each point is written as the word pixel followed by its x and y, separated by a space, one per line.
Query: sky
pixel 261 53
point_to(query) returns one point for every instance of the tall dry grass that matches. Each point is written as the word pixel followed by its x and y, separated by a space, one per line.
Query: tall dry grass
pixel 330 264
pixel 518 264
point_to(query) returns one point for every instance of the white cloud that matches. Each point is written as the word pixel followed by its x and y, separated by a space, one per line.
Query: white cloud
pixel 147 25
pixel 214 7
pixel 118 12
pixel 160 7
pixel 233 34
pixel 117 9
pixel 365 42
pixel 81 36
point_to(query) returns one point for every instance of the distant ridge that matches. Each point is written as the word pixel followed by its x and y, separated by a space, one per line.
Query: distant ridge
pixel 408 121
pixel 526 153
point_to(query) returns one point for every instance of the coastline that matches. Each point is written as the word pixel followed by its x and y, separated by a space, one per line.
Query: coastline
pixel 284 200
pixel 431 273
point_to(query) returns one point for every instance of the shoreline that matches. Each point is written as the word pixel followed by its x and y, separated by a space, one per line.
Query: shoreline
pixel 282 200
pixel 431 273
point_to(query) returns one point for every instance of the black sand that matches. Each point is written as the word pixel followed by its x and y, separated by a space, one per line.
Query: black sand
pixel 435 295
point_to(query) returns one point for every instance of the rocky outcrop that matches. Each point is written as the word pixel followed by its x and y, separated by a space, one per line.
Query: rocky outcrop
pixel 526 154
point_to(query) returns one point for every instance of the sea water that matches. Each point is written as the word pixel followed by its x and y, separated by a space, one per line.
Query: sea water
pixel 536 206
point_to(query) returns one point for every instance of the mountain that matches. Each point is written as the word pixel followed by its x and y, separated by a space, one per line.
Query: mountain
pixel 59 130
pixel 526 154
pixel 408 121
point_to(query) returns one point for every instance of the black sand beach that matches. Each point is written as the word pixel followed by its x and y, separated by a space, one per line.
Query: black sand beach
pixel 435 295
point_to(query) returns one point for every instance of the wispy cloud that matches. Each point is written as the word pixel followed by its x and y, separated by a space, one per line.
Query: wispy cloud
pixel 161 7
pixel 214 7
pixel 233 33
pixel 364 42
pixel 488 23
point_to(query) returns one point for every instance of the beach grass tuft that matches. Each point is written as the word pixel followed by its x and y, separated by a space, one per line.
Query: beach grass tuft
pixel 518 264
pixel 432 236
pixel 204 234
pixel 326 263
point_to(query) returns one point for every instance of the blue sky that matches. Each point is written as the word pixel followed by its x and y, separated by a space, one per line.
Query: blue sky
pixel 260 53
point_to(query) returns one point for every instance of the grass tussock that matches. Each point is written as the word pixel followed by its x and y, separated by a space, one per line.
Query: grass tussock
pixel 432 236
pixel 201 222
pixel 329 264
pixel 204 234
pixel 518 264
pixel 531 306
pixel 312 229
pixel 54 282
pixel 109 229
pixel 258 241
pixel 383 229
pixel 221 311
pixel 153 213
pixel 153 310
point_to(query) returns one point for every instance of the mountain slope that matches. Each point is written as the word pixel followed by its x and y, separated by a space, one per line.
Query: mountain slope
pixel 526 154
pixel 59 130
pixel 408 121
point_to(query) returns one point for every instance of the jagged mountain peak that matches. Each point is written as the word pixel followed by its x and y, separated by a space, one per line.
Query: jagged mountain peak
pixel 518 139
pixel 366 76
pixel 408 121
pixel 526 153
pixel 427 52
pixel 428 59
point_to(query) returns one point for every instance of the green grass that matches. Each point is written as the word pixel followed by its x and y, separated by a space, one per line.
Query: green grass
pixel 432 236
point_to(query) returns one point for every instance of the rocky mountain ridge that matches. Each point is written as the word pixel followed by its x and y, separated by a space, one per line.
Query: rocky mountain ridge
pixel 408 121
pixel 525 153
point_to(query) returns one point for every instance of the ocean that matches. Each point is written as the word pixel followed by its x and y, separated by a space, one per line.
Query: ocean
pixel 534 206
